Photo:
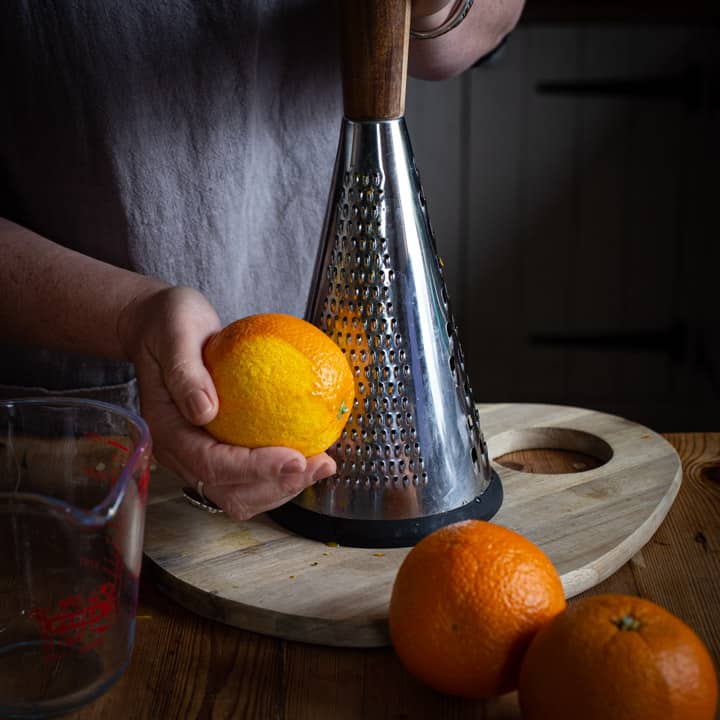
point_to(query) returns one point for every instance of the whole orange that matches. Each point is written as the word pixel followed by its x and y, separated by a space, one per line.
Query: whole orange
pixel 280 382
pixel 465 604
pixel 619 657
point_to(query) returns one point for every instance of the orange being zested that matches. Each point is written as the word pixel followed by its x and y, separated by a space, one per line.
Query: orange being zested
pixel 619 657
pixel 466 603
pixel 280 382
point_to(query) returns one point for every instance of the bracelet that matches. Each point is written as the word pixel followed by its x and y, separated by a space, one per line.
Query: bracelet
pixel 460 11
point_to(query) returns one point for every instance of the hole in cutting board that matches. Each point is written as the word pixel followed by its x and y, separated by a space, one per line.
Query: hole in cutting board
pixel 549 450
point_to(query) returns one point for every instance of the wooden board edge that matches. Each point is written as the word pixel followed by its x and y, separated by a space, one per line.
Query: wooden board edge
pixel 373 634
pixel 578 581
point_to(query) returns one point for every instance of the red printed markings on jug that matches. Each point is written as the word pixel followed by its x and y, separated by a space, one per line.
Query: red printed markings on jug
pixel 109 464
pixel 81 620
pixel 79 623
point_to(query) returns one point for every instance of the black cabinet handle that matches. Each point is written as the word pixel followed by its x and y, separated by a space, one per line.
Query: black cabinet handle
pixel 672 340
pixel 695 87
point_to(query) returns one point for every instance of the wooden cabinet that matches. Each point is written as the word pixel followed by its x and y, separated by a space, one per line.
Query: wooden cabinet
pixel 572 185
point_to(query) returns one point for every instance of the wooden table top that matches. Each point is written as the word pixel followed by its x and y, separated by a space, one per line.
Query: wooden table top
pixel 185 666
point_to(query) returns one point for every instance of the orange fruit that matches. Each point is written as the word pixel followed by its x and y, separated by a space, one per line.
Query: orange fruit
pixel 280 382
pixel 619 657
pixel 465 604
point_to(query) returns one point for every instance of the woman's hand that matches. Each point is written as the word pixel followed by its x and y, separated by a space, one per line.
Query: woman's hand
pixel 422 8
pixel 163 333
pixel 484 28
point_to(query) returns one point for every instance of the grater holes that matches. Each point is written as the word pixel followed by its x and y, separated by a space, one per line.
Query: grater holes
pixel 382 412
pixel 452 364
pixel 474 455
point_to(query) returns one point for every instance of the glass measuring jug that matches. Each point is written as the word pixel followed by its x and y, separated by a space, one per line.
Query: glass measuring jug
pixel 73 491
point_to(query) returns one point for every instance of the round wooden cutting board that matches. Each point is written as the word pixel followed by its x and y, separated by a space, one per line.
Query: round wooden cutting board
pixel 258 576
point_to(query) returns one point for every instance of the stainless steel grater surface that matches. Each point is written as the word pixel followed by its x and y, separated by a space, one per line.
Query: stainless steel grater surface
pixel 411 457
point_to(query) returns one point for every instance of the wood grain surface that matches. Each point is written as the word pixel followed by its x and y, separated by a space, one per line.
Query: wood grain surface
pixel 185 666
pixel 375 43
pixel 259 576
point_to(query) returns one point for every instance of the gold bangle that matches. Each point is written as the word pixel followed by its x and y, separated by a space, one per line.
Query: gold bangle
pixel 459 13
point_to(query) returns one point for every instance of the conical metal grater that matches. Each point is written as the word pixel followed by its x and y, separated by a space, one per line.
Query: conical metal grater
pixel 412 457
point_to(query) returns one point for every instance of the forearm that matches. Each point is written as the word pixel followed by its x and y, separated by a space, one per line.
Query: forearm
pixel 61 299
pixel 487 23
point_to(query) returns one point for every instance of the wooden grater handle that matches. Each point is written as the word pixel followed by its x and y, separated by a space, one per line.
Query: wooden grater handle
pixel 375 41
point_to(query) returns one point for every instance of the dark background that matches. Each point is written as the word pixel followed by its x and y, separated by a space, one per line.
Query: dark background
pixel 572 183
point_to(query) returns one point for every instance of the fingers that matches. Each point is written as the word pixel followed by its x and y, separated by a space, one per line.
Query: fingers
pixel 242 502
pixel 188 381
pixel 241 481
pixel 240 466
pixel 170 329
pixel 177 394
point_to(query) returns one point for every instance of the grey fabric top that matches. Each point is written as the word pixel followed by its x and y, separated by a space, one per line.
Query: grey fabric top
pixel 189 140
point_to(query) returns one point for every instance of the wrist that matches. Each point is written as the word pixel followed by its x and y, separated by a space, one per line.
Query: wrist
pixel 131 315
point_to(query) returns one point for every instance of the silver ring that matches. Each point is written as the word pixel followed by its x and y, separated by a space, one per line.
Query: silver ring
pixel 462 8
pixel 197 499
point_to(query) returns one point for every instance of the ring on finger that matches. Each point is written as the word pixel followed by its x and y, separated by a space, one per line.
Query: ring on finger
pixel 196 498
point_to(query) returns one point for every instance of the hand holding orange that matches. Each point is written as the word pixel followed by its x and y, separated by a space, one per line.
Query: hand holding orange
pixel 280 382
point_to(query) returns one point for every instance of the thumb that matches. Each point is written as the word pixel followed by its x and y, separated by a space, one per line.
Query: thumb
pixel 189 382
